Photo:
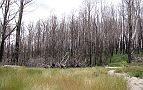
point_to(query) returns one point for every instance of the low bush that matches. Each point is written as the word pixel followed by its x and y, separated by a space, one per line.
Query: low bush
pixel 118 60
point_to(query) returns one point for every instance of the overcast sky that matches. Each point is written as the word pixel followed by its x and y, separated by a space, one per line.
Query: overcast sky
pixel 41 9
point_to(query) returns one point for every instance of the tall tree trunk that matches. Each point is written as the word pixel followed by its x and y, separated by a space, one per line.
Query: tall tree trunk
pixel 130 30
pixel 18 32
pixel 4 27
pixel 1 50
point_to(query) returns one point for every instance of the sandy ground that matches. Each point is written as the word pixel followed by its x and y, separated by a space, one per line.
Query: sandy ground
pixel 133 82
pixel 13 66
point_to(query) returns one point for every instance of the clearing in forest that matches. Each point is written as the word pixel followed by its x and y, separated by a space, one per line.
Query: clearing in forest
pixel 59 79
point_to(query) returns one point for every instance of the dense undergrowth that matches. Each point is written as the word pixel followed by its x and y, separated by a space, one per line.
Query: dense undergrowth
pixel 118 60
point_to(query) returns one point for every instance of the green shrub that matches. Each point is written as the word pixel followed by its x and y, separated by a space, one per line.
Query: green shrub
pixel 118 60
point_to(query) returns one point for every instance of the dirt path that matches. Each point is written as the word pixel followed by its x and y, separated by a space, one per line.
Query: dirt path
pixel 12 66
pixel 133 82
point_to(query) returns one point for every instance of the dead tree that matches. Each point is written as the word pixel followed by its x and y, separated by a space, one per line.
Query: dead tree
pixel 5 6
pixel 130 3
pixel 18 28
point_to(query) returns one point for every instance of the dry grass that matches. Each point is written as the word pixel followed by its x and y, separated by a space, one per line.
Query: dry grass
pixel 59 79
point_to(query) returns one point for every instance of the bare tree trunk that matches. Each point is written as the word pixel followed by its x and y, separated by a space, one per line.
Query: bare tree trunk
pixel 18 32
pixel 130 30
pixel 4 27
pixel 1 50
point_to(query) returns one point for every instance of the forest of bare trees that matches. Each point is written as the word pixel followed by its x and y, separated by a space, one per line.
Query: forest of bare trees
pixel 87 39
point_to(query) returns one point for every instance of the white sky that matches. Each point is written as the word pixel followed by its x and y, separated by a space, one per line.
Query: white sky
pixel 41 9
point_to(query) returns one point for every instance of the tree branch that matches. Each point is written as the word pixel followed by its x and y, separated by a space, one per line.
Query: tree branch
pixel 10 33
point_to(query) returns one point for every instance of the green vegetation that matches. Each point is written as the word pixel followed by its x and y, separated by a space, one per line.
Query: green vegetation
pixel 119 60
pixel 59 79
pixel 135 70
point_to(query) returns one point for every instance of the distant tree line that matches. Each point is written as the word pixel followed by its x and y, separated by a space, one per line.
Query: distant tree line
pixel 87 39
